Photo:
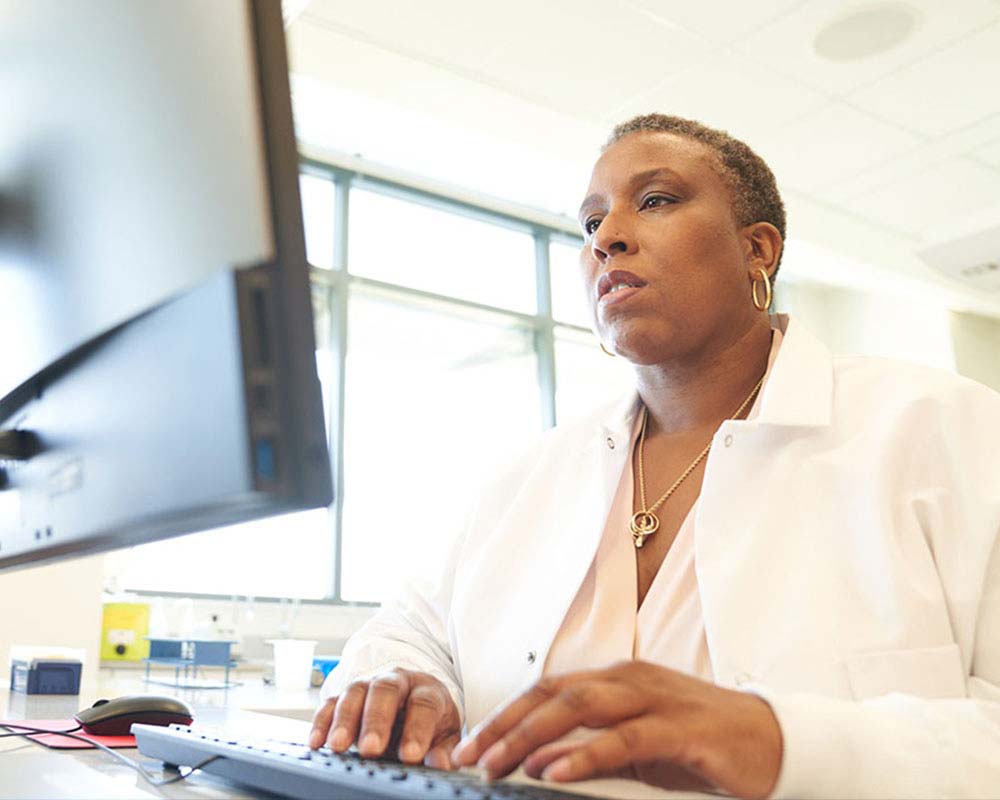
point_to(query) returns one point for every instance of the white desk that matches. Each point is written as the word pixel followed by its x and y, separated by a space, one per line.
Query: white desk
pixel 30 770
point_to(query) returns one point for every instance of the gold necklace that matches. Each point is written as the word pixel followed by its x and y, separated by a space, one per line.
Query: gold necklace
pixel 644 522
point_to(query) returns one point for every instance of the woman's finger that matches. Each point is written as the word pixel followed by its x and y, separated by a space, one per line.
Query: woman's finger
pixel 439 756
pixel 489 731
pixel 591 703
pixel 321 723
pixel 347 716
pixel 545 755
pixel 633 742
pixel 386 695
pixel 426 707
pixel 656 773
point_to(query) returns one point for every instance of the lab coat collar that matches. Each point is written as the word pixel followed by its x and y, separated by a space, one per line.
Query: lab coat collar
pixel 798 392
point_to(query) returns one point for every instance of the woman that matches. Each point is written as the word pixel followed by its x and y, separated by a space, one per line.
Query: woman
pixel 768 572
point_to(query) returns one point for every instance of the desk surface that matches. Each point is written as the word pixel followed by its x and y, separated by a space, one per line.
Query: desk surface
pixel 30 770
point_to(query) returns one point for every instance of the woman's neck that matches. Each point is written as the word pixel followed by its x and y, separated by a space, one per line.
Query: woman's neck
pixel 683 397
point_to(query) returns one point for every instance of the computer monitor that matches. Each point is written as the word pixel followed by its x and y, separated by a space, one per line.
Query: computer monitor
pixel 157 355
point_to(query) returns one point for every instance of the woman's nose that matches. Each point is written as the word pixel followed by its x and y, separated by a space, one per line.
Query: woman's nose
pixel 612 238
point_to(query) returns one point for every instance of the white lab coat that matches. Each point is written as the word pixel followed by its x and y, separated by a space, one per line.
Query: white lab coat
pixel 847 560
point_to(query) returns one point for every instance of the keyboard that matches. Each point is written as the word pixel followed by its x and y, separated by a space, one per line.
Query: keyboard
pixel 291 769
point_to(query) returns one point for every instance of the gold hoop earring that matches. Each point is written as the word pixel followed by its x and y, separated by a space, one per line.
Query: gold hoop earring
pixel 767 291
pixel 606 351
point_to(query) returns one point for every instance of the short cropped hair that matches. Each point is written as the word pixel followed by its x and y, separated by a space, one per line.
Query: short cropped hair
pixel 754 191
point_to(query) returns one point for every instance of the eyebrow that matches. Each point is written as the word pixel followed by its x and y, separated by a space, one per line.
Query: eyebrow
pixel 638 178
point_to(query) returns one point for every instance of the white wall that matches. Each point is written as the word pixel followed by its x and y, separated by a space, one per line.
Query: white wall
pixel 976 341
pixel 912 328
pixel 55 605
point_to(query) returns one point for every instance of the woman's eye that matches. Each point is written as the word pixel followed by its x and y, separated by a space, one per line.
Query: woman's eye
pixel 591 225
pixel 655 200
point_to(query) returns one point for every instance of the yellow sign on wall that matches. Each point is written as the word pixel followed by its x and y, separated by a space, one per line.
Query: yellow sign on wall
pixel 124 631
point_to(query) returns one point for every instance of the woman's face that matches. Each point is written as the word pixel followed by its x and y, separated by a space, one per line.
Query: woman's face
pixel 664 262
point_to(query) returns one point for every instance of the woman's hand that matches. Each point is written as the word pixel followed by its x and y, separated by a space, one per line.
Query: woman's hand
pixel 655 725
pixel 417 704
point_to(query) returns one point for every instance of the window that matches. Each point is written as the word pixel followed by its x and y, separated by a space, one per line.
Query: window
pixel 318 209
pixel 401 242
pixel 586 377
pixel 569 299
pixel 435 398
pixel 429 309
pixel 239 560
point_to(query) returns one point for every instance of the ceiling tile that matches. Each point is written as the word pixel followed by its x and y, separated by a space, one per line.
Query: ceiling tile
pixel 578 56
pixel 973 140
pixel 436 30
pixel 584 56
pixel 945 91
pixel 786 44
pixel 716 93
pixel 937 199
pixel 827 145
pixel 721 23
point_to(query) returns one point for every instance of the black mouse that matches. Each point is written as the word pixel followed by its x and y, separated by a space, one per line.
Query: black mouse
pixel 115 717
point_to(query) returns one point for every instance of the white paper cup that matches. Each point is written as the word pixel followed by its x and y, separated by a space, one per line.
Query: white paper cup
pixel 293 663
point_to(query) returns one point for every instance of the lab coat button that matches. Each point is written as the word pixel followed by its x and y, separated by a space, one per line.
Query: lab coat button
pixel 743 678
pixel 611 443
pixel 532 655
pixel 728 440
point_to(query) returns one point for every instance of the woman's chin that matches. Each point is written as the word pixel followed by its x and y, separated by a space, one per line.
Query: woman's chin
pixel 639 345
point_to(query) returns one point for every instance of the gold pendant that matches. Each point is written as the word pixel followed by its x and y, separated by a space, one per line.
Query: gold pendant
pixel 643 524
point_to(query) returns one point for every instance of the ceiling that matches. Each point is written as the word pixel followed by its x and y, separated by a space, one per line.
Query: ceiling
pixel 876 156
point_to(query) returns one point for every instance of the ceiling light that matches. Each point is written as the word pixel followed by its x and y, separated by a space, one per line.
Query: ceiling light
pixel 865 31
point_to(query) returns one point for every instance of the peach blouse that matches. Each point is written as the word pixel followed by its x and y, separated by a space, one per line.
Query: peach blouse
pixel 602 625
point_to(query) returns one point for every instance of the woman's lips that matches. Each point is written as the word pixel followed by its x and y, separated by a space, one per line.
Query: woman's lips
pixel 619 296
pixel 617 277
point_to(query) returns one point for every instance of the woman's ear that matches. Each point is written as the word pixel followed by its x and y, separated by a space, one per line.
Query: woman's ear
pixel 762 247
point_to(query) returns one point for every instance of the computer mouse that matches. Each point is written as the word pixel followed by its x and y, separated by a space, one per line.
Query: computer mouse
pixel 115 717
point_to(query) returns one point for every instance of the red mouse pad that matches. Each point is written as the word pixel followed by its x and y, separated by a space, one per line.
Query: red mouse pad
pixel 57 742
